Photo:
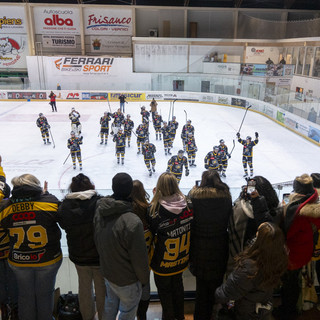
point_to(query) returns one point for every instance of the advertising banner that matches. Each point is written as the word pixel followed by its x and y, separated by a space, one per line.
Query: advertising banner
pixel 314 134
pixel 238 102
pixel 224 100
pixel 280 116
pixel 56 20
pixel 12 20
pixel 261 54
pixel 290 123
pixel 221 68
pixel 27 95
pixel 129 96
pixel 55 41
pixel 110 44
pixel 105 21
pixel 82 65
pixel 156 96
pixel 3 95
pixel 94 96
pixel 13 51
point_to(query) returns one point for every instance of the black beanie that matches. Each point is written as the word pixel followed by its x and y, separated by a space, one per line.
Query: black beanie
pixel 303 184
pixel 122 185
pixel 316 180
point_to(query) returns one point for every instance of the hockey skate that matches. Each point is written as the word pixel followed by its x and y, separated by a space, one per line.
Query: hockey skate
pixel 153 169
pixel 150 173
pixel 251 174
pixel 80 167
pixel 160 136
pixel 106 142
pixel 223 174
pixel 101 142
pixel 138 151
pixel 48 142
pixel 156 137
pixel 193 164
pixel 122 161
pixel 44 142
pixel 169 152
pixel 129 144
pixel 74 167
pixel 245 175
pixel 118 161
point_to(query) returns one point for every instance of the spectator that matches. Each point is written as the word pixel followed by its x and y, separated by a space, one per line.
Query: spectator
pixel 58 86
pixel 170 221
pixel 140 203
pixel 282 61
pixel 122 99
pixel 212 207
pixel 76 218
pixel 301 216
pixel 249 211
pixel 269 62
pixel 52 97
pixel 257 272
pixel 30 218
pixel 8 283
pixel 153 106
pixel 119 238
pixel 312 116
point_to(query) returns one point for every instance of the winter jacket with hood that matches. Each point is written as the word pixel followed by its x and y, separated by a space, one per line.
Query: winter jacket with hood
pixel 75 216
pixel 209 235
pixel 171 228
pixel 119 238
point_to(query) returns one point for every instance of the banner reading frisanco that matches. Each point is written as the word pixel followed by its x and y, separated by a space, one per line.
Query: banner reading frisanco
pixel 27 95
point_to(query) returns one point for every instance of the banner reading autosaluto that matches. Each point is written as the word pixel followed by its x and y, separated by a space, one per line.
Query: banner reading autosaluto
pixel 56 20
pixel 100 21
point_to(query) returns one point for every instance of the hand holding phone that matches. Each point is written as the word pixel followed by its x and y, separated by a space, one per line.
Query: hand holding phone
pixel 251 186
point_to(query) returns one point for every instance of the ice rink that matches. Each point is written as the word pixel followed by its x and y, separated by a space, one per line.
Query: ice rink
pixel 280 155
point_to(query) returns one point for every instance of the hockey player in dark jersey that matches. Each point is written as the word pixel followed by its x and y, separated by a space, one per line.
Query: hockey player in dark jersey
pixel 74 146
pixel 157 120
pixel 184 134
pixel 247 152
pixel 76 126
pixel 118 119
pixel 145 114
pixel 148 151
pixel 212 159
pixel 166 138
pixel 120 141
pixel 224 155
pixel 173 124
pixel 191 149
pixel 104 131
pixel 142 134
pixel 44 126
pixel 128 125
pixel 176 163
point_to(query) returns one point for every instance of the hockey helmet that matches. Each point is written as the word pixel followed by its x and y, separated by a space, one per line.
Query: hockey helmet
pixel 165 123
pixel 216 148
pixel 128 116
pixel 106 112
pixel 146 141
pixel 248 138
pixel 221 141
pixel 180 152
pixel 72 133
pixel 143 107
pixel 40 114
pixel 72 109
pixel 174 117
pixel 120 129
pixel 189 121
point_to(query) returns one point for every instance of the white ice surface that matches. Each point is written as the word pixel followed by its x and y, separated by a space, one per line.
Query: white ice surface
pixel 280 155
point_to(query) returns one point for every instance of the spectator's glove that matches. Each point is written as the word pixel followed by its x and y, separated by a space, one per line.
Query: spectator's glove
pixel 238 135
pixel 206 166
pixel 187 172
pixel 257 135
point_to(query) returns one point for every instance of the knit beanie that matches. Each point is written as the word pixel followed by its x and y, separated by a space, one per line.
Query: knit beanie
pixel 316 180
pixel 122 185
pixel 303 184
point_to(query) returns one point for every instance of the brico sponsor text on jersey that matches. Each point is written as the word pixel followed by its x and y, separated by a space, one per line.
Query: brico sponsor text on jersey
pixel 86 65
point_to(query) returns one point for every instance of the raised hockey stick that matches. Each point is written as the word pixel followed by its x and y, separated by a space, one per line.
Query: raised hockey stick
pixel 109 103
pixel 244 117
pixel 67 158
pixel 232 147
pixel 186 115
pixel 173 107
pixel 53 144
pixel 169 111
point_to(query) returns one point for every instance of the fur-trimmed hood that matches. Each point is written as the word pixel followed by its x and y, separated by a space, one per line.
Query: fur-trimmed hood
pixel 205 193
pixel 311 210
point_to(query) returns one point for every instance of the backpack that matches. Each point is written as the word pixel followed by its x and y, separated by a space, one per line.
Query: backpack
pixel 68 307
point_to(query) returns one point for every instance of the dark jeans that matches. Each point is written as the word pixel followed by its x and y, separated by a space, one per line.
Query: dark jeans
pixel 205 290
pixel 171 294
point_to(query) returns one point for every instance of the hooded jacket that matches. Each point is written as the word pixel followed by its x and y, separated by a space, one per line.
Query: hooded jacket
pixel 209 233
pixel 75 216
pixel 171 229
pixel 119 238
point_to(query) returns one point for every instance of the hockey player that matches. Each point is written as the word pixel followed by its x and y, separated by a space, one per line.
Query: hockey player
pixel 74 146
pixel 44 126
pixel 148 151
pixel 176 163
pixel 145 114
pixel 74 116
pixel 224 155
pixel 120 141
pixel 104 131
pixel 247 152
pixel 157 119
pixel 184 134
pixel 166 138
pixel 173 124
pixel 153 106
pixel 142 135
pixel 118 120
pixel 128 125
pixel 212 160
pixel 191 149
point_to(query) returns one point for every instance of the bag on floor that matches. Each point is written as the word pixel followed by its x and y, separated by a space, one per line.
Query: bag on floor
pixel 68 307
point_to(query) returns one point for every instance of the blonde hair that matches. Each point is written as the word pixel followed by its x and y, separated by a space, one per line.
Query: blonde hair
pixel 26 179
pixel 167 185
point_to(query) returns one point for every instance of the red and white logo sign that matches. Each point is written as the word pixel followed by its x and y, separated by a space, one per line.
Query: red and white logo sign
pixel 72 95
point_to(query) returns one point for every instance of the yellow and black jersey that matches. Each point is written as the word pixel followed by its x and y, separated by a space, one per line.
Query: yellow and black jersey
pixel 128 125
pixel 187 128
pixel 166 133
pixel 191 145
pixel 104 121
pixel 211 161
pixel 171 245
pixel 157 120
pixel 74 116
pixel 74 144
pixel 223 151
pixel 148 151
pixel 142 132
pixel 120 140
pixel 173 125
pixel 118 118
pixel 42 123
pixel 175 164
pixel 248 147
pixel 34 236
pixel 145 115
